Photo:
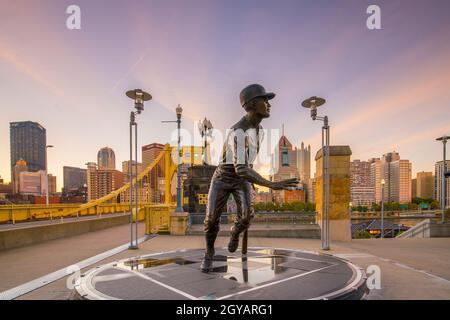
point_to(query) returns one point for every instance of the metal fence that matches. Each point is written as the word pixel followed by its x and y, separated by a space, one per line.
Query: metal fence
pixel 286 218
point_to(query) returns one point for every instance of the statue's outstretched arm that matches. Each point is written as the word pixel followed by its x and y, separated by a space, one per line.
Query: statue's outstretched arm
pixel 252 176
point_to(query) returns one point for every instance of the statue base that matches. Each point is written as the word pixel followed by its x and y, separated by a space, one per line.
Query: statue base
pixel 262 274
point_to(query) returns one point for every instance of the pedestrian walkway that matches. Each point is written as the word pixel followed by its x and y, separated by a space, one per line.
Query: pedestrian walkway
pixel 410 268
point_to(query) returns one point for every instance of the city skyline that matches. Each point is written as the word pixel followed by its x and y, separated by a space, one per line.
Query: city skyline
pixel 71 81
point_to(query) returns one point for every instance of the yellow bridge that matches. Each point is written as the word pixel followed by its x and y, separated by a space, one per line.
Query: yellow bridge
pixel 155 199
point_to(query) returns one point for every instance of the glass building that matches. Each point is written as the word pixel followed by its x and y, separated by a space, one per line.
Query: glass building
pixel 28 141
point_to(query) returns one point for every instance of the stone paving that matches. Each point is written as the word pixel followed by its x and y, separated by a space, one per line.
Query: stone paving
pixel 410 268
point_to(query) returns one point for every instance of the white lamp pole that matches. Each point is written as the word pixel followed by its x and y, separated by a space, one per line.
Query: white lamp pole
pixel 139 97
pixel 313 103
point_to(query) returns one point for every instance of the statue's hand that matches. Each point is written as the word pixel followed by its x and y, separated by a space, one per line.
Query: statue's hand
pixel 285 184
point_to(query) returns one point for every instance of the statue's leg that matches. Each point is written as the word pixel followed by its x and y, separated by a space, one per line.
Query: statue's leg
pixel 217 198
pixel 243 194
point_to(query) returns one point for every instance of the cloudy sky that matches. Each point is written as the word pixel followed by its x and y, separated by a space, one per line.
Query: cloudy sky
pixel 386 89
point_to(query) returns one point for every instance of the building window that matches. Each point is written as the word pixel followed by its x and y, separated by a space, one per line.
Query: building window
pixel 285 157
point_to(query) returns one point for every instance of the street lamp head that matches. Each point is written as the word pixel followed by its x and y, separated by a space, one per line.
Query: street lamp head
pixel 49 146
pixel 383 182
pixel 179 111
pixel 139 97
pixel 313 103
pixel 443 138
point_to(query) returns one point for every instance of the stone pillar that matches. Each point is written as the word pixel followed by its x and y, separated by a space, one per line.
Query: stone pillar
pixel 179 223
pixel 340 223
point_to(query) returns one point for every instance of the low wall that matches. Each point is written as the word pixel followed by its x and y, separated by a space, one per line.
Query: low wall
pixel 427 229
pixel 19 237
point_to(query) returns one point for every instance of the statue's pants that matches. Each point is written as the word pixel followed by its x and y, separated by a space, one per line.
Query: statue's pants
pixel 219 193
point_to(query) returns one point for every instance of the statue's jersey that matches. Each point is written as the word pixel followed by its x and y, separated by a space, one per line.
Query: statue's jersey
pixel 239 151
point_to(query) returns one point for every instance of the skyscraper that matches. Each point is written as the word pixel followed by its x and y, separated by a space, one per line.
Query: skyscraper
pixel 74 178
pixel 284 165
pixel 438 182
pixel 149 153
pixel 106 159
pixel 27 142
pixel 414 188
pixel 304 163
pixel 20 166
pixel 397 177
pixel 400 181
pixel 376 177
pixel 101 182
pixel 285 161
pixel 362 190
pixel 126 170
pixel 32 183
pixel 51 184
pixel 425 185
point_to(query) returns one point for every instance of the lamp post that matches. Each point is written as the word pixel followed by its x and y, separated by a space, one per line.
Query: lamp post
pixel 444 175
pixel 85 192
pixel 139 98
pixel 382 208
pixel 46 174
pixel 313 103
pixel 205 127
pixel 179 112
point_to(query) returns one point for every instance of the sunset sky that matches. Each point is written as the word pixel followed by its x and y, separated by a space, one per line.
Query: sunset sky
pixel 386 89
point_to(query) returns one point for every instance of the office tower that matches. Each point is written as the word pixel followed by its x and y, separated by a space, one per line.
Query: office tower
pixel 304 163
pixel 285 164
pixel 438 182
pixel 386 174
pixel 106 159
pixel 126 167
pixel 74 178
pixel 126 170
pixel 376 177
pixel 362 190
pixel 425 185
pixel 400 181
pixel 396 174
pixel 51 184
pixel 101 182
pixel 414 188
pixel 20 166
pixel 27 142
pixel 150 153
pixel 91 181
pixel 32 183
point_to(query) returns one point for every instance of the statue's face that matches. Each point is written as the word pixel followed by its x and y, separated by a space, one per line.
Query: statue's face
pixel 262 107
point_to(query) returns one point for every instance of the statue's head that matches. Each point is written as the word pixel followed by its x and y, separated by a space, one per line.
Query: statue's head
pixel 254 98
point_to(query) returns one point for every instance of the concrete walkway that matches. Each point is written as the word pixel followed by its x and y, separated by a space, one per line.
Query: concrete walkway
pixel 19 225
pixel 410 268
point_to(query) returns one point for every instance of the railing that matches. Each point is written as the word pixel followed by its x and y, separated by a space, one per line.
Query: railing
pixel 418 229
pixel 286 218
pixel 29 213
pixel 115 202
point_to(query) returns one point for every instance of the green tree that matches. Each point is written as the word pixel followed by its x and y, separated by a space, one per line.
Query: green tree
pixel 362 234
